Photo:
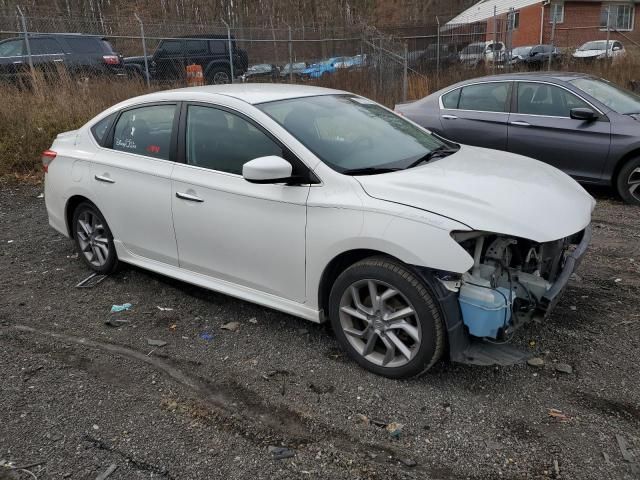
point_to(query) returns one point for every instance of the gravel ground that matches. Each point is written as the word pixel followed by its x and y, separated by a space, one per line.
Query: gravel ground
pixel 79 395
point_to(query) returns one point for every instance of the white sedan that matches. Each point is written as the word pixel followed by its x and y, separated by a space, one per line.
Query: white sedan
pixel 322 204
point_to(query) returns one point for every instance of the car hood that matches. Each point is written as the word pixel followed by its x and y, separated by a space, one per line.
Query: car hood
pixel 491 191
pixel 588 53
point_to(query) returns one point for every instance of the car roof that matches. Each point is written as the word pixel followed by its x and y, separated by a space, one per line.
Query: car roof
pixel 559 76
pixel 253 93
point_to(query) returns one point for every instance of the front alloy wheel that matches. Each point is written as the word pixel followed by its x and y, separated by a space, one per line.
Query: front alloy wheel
pixel 386 318
pixel 628 181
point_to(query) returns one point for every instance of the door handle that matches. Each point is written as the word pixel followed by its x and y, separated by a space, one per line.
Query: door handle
pixel 519 123
pixel 100 178
pixel 191 198
pixel 58 60
pixel 19 62
pixel 449 117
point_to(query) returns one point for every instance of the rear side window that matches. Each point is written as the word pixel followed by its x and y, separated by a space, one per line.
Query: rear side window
pixel 196 47
pixel 218 46
pixel 100 129
pixel 145 131
pixel 44 46
pixel 485 97
pixel 450 100
pixel 11 48
pixel 84 45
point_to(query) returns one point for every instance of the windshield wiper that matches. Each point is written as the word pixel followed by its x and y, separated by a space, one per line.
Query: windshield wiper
pixel 369 170
pixel 442 151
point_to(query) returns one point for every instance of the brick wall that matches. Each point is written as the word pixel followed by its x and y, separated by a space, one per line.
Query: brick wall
pixel 582 23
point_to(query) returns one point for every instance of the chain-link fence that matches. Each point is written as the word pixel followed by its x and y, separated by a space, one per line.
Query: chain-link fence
pixel 390 64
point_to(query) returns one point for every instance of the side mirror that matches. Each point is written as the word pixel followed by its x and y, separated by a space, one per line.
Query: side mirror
pixel 585 114
pixel 271 169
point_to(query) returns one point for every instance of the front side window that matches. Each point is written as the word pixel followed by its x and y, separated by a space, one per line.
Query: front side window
pixel 145 131
pixel 11 48
pixel 485 97
pixel 617 17
pixel 170 47
pixel 222 141
pixel 547 100
pixel 350 133
pixel 618 99
pixel 557 13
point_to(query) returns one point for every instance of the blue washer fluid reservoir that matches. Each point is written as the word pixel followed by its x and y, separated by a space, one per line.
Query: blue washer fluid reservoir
pixel 485 310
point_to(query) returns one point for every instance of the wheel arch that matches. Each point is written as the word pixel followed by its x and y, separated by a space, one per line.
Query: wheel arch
pixel 338 265
pixel 215 64
pixel 621 163
pixel 70 208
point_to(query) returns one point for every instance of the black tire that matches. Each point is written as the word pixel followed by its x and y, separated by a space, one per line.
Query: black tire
pixel 110 263
pixel 427 316
pixel 630 172
pixel 218 76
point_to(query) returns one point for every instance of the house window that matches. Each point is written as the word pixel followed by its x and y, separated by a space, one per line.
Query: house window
pixel 513 20
pixel 617 17
pixel 557 13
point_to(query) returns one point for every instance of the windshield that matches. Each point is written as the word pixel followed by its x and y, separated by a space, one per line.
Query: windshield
pixel 474 48
pixel 599 45
pixel 616 98
pixel 352 133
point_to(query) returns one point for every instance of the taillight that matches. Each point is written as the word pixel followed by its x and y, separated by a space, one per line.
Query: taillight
pixel 111 59
pixel 47 157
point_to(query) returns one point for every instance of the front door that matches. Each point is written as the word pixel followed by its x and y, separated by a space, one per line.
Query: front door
pixel 227 228
pixel 477 114
pixel 131 179
pixel 541 127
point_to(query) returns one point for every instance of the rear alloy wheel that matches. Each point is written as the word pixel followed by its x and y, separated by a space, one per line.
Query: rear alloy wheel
pixel 628 182
pixel 93 239
pixel 219 76
pixel 386 318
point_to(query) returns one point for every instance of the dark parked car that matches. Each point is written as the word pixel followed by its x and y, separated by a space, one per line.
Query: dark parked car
pixel 78 54
pixel 211 52
pixel 262 71
pixel 583 125
pixel 536 56
pixel 425 60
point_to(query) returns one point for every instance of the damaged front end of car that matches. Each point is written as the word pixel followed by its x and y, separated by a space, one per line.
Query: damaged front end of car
pixel 512 282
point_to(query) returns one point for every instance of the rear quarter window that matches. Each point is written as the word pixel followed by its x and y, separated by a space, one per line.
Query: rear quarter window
pixel 101 129
pixel 450 100
pixel 84 45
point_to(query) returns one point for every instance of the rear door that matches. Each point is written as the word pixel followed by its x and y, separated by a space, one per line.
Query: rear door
pixel 540 127
pixel 131 178
pixel 47 53
pixel 477 114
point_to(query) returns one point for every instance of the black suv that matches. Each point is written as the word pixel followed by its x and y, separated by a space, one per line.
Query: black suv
pixel 79 54
pixel 170 60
